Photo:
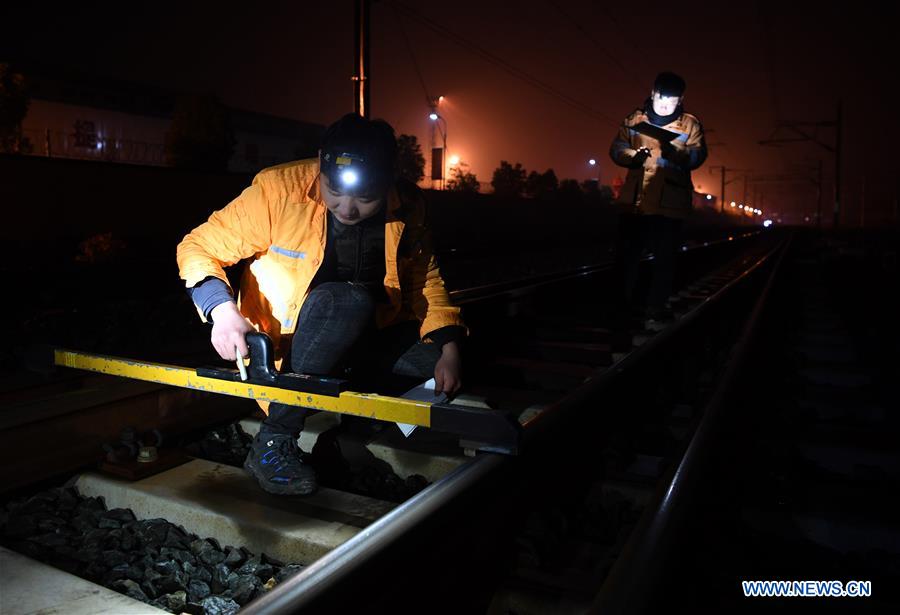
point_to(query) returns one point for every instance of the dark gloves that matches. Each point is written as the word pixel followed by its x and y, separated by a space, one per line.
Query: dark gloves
pixel 637 161
pixel 673 152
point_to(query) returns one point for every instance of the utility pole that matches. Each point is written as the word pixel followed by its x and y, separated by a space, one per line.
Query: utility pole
pixel 862 204
pixel 361 75
pixel 725 170
pixel 802 129
pixel 819 196
pixel 837 163
pixel 722 204
pixel 791 178
pixel 896 208
pixel 710 131
pixel 433 102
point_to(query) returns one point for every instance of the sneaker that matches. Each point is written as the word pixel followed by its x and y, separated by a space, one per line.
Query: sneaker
pixel 275 462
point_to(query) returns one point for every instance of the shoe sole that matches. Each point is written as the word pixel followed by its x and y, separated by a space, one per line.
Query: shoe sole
pixel 305 486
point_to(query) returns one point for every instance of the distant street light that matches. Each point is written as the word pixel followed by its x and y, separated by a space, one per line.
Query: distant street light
pixel 435 117
pixel 593 163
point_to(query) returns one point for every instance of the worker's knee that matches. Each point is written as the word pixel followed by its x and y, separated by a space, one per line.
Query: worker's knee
pixel 339 300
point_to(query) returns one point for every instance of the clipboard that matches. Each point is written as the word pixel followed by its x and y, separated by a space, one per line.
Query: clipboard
pixel 655 132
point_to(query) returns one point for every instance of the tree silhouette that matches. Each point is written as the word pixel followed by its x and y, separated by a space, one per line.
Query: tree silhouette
pixel 606 194
pixel 541 185
pixel 508 180
pixel 200 137
pixel 462 180
pixel 569 190
pixel 410 161
pixel 595 191
pixel 13 108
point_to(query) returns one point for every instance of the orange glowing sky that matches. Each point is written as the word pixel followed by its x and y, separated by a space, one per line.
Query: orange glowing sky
pixel 747 66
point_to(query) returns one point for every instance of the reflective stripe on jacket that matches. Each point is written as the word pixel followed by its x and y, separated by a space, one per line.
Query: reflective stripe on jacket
pixel 279 223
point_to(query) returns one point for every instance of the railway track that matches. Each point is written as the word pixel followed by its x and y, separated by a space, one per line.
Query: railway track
pixel 591 433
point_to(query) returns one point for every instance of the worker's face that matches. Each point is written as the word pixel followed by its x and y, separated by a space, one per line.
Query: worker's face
pixel 348 208
pixel 665 105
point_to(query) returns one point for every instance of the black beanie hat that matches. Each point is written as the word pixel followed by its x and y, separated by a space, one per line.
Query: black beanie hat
pixel 358 155
pixel 669 84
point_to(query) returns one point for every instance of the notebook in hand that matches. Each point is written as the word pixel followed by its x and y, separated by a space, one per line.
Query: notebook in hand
pixel 655 132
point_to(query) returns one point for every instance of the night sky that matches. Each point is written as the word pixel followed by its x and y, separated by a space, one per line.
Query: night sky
pixel 747 66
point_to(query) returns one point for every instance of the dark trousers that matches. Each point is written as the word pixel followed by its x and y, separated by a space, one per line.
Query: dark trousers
pixel 662 237
pixel 335 333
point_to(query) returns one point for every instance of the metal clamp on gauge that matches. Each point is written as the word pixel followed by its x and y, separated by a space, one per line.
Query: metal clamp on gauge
pixel 261 370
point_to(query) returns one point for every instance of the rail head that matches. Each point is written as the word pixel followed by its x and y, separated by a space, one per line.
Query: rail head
pixel 523 286
pixel 537 427
pixel 305 591
pixel 629 586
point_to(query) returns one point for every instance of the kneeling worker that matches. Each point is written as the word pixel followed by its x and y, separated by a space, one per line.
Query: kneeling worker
pixel 341 267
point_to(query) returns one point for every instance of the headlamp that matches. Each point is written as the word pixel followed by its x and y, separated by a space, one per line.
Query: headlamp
pixel 345 168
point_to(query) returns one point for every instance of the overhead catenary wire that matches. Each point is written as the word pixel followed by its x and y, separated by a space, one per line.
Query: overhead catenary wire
pixel 768 44
pixel 593 39
pixel 619 27
pixel 412 55
pixel 499 62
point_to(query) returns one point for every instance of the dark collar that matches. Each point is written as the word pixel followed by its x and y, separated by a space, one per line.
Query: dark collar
pixel 661 120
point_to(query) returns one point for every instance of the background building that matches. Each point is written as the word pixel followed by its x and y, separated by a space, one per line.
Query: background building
pixel 75 116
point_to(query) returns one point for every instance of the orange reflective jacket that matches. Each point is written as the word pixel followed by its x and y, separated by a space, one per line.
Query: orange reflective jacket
pixel 279 222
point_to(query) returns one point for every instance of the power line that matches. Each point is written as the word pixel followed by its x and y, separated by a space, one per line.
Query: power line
pixel 575 24
pixel 637 53
pixel 503 64
pixel 412 55
pixel 768 44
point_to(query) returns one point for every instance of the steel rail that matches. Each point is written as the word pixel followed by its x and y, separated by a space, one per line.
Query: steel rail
pixel 304 591
pixel 629 586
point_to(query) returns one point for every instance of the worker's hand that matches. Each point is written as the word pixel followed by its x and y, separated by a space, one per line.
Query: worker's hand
pixel 672 149
pixel 640 156
pixel 229 329
pixel 447 370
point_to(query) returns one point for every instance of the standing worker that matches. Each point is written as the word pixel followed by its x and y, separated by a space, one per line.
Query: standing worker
pixel 341 274
pixel 657 192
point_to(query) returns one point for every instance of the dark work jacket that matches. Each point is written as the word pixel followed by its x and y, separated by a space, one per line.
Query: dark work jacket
pixel 355 253
pixel 662 185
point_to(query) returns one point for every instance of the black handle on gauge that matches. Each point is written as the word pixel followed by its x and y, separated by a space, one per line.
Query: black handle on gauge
pixel 262 357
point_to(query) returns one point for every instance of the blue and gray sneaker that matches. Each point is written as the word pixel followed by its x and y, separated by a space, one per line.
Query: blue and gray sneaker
pixel 275 462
